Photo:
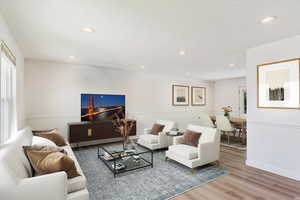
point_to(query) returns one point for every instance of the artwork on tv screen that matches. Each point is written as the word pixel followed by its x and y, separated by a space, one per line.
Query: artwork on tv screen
pixel 102 107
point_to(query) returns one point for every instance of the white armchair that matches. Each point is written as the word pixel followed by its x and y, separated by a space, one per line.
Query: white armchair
pixel 159 141
pixel 208 149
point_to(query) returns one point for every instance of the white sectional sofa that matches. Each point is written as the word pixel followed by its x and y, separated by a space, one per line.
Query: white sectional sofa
pixel 17 183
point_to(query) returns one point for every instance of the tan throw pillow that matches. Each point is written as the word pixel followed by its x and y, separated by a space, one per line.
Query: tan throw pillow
pixel 43 148
pixel 44 131
pixel 54 136
pixel 191 138
pixel 157 128
pixel 45 162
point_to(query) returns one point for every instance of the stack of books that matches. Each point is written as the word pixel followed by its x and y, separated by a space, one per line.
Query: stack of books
pixel 106 156
pixel 119 166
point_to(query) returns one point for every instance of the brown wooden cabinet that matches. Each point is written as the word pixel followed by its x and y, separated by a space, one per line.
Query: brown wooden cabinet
pixel 89 131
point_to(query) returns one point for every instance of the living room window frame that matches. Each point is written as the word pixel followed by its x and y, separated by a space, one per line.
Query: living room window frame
pixel 8 121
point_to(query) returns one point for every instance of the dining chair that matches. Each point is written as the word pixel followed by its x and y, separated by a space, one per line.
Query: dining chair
pixel 205 120
pixel 224 125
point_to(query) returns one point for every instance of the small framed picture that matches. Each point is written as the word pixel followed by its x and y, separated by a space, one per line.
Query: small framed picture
pixel 198 96
pixel 180 95
pixel 278 85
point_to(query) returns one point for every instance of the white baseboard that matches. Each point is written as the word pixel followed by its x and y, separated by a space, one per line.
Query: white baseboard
pixel 273 169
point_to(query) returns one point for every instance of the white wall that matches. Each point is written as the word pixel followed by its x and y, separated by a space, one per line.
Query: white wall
pixel 6 36
pixel 227 94
pixel 273 134
pixel 53 94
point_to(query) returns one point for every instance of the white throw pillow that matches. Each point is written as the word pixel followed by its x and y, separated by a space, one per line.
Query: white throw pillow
pixel 42 141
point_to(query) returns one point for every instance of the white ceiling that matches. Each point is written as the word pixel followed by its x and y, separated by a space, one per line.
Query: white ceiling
pixel 131 33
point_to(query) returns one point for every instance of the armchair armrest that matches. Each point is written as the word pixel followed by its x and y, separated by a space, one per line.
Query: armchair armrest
pixel 46 187
pixel 147 130
pixel 209 151
pixel 163 138
pixel 178 140
pixel 162 134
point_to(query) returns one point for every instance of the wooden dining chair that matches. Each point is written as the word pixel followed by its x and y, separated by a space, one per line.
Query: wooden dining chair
pixel 224 125
pixel 241 131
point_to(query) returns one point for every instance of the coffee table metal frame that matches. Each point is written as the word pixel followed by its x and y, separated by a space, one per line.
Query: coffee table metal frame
pixel 113 169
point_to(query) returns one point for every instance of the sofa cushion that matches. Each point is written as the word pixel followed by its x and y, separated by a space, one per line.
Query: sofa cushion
pixel 79 182
pixel 54 136
pixel 11 167
pixel 42 141
pixel 76 184
pixel 185 151
pixel 149 138
pixel 15 159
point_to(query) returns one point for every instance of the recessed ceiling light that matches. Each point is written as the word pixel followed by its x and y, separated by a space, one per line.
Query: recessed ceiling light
pixel 231 65
pixel 88 29
pixel 72 57
pixel 182 53
pixel 268 19
pixel 142 67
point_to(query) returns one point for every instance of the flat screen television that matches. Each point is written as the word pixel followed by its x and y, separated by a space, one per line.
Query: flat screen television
pixel 96 107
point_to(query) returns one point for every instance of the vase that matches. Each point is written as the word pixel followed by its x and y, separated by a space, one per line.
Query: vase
pixel 129 144
pixel 226 114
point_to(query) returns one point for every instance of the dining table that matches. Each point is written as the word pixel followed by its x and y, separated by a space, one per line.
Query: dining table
pixel 238 123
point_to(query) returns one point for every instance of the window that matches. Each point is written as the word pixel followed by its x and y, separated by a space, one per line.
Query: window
pixel 7 93
pixel 243 101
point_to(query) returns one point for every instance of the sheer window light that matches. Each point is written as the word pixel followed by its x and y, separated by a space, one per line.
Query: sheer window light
pixel 7 93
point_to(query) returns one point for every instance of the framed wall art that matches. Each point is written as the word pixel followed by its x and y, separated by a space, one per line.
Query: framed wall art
pixel 278 85
pixel 198 96
pixel 180 95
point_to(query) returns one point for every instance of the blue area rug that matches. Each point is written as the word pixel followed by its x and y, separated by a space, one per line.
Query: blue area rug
pixel 166 179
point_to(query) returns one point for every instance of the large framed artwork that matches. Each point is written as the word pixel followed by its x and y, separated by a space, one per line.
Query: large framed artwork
pixel 180 95
pixel 278 85
pixel 198 96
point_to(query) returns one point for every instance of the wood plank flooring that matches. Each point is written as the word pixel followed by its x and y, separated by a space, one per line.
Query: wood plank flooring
pixel 244 183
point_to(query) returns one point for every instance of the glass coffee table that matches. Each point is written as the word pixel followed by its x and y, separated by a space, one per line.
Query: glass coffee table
pixel 119 161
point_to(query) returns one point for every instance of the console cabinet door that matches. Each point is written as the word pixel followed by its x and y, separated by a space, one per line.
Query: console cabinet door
pixel 80 132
